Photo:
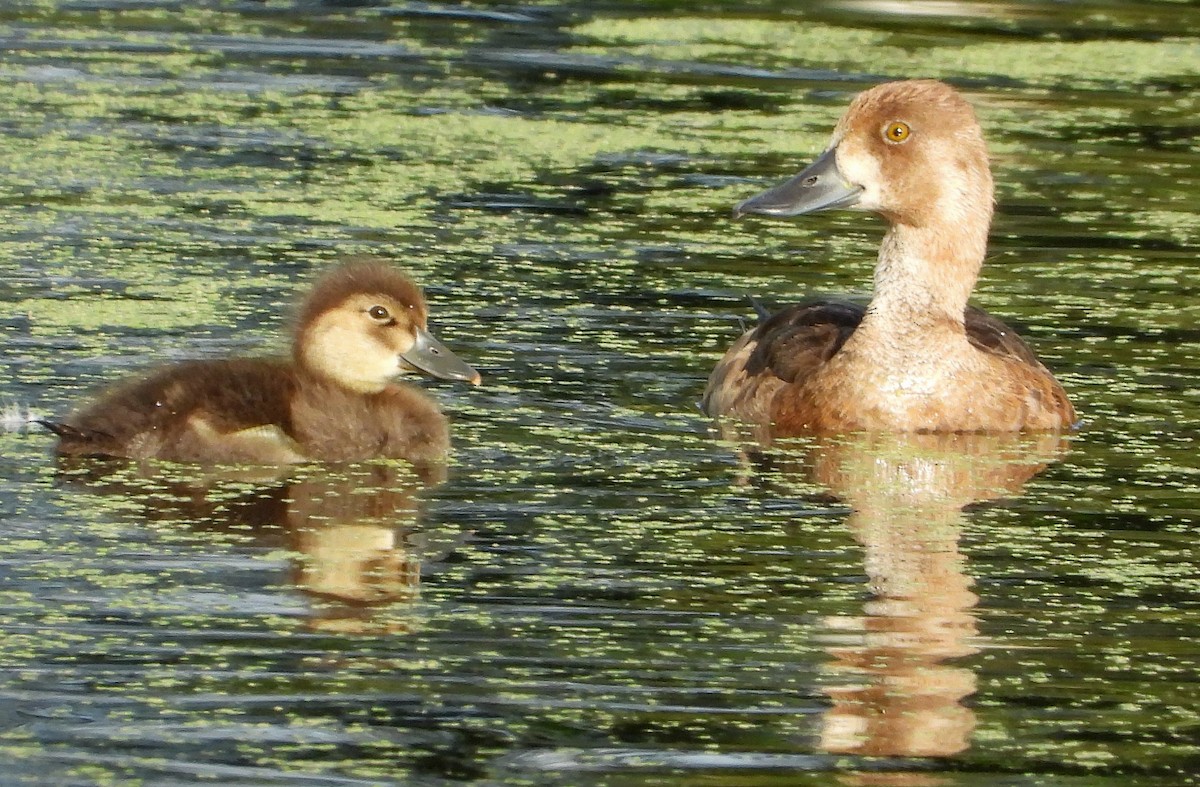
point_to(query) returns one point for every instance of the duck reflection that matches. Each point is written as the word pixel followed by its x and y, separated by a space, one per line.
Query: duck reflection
pixel 352 530
pixel 893 687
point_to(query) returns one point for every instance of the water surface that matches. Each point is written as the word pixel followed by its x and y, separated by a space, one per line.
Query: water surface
pixel 606 591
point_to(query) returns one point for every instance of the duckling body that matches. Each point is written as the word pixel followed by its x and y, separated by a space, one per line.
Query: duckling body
pixel 336 400
pixel 917 358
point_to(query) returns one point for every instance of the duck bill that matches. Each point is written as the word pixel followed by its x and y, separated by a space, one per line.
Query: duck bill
pixel 820 186
pixel 432 357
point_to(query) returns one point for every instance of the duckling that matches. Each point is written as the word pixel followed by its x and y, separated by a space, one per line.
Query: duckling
pixel 337 399
pixel 917 357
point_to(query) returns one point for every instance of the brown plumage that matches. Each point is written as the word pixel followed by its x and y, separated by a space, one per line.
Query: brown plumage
pixel 917 358
pixel 336 400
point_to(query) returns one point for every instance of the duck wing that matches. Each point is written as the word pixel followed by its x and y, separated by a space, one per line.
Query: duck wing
pixel 782 349
pixel 1043 400
pixel 994 337
pixel 791 344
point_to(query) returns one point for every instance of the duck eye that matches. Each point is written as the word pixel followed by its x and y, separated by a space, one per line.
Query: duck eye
pixel 896 131
pixel 379 313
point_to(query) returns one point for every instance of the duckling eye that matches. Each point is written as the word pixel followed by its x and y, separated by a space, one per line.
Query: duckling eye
pixel 896 131
pixel 379 313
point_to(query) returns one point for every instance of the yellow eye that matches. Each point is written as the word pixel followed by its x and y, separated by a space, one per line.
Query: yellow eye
pixel 896 131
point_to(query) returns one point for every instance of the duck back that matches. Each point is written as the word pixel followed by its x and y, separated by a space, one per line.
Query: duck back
pixel 795 344
pixel 783 349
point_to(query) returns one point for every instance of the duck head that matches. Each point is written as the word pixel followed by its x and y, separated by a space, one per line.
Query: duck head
pixel 910 151
pixel 364 324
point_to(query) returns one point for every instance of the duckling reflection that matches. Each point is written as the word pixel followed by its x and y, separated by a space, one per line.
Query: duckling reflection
pixel 894 688
pixel 345 530
pixel 353 533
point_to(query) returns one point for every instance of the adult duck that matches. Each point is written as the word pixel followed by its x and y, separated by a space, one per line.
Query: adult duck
pixel 336 399
pixel 917 357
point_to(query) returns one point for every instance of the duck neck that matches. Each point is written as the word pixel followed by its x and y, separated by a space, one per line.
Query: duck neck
pixel 923 279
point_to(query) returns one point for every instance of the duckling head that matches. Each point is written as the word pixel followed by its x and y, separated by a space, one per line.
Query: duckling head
pixel 364 324
pixel 910 151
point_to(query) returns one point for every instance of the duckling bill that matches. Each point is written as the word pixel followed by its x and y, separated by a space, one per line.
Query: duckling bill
pixel 918 357
pixel 337 399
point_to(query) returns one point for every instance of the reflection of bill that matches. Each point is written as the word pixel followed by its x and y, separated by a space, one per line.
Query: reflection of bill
pixel 892 692
pixel 352 530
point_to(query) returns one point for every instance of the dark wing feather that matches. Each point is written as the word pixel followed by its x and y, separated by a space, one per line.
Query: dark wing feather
pixel 992 336
pixel 1044 396
pixel 782 349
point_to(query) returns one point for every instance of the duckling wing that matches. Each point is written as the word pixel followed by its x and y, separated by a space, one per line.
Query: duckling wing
pixel 186 412
pixel 262 444
pixel 784 348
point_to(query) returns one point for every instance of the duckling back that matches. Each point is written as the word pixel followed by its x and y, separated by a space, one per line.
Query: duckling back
pixel 254 411
pixel 196 411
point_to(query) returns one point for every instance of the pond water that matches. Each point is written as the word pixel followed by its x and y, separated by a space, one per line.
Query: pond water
pixel 605 591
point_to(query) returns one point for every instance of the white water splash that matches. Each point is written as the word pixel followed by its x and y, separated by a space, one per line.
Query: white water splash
pixel 16 417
